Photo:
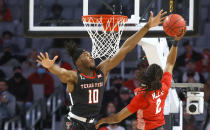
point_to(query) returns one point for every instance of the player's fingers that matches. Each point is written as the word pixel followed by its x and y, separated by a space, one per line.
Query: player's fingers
pixel 164 13
pixel 55 58
pixel 183 32
pixel 97 126
pixel 47 56
pixel 161 11
pixel 38 61
pixel 39 57
pixel 184 29
pixel 42 55
pixel 163 18
pixel 151 14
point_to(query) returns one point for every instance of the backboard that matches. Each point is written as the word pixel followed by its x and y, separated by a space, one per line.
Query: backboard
pixel 65 22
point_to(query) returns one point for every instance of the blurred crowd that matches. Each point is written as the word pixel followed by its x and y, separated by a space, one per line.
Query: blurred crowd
pixel 22 80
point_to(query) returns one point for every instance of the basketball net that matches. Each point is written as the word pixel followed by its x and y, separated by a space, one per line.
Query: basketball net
pixel 105 32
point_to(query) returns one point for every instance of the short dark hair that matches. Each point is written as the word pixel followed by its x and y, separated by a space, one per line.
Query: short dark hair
pixel 7 33
pixel 151 78
pixel 73 50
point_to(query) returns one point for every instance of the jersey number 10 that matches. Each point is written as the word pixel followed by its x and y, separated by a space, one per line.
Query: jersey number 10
pixel 93 96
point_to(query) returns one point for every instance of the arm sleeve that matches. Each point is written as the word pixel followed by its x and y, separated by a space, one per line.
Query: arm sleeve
pixel 138 102
pixel 166 80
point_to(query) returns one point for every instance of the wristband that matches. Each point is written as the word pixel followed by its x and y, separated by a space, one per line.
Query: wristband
pixel 174 43
pixel 147 26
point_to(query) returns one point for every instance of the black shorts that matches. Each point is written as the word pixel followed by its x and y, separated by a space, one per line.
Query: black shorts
pixel 74 124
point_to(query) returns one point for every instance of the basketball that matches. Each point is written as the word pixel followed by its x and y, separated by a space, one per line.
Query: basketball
pixel 173 25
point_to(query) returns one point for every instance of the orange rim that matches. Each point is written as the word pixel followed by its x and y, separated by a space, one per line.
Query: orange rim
pixel 105 18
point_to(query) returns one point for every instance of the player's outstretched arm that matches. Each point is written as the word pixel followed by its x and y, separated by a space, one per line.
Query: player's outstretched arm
pixel 171 59
pixel 131 42
pixel 63 74
pixel 115 118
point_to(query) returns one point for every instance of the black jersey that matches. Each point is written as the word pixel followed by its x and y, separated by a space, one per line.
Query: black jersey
pixel 87 95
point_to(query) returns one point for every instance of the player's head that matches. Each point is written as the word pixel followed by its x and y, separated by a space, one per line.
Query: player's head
pixel 81 57
pixel 151 77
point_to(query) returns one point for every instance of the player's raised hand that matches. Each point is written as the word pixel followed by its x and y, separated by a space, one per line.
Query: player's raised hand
pixel 158 19
pixel 45 61
pixel 183 31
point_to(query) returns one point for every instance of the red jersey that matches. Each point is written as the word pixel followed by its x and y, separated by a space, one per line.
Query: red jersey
pixel 151 107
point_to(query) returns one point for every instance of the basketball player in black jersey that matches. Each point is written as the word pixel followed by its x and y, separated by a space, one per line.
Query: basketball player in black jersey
pixel 86 85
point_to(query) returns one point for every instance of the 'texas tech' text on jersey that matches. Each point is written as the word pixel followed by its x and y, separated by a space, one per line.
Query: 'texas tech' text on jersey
pixel 88 95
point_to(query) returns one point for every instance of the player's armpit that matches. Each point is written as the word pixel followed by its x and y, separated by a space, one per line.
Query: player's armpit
pixel 70 87
pixel 69 76
pixel 102 67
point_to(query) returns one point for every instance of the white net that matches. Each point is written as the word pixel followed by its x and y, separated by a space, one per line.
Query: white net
pixel 105 34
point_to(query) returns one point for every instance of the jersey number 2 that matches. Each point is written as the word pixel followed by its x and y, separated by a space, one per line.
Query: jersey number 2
pixel 93 96
pixel 158 108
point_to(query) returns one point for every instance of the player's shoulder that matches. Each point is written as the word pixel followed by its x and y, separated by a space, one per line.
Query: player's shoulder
pixel 138 91
pixel 167 73
pixel 166 80
pixel 166 76
pixel 73 74
pixel 140 96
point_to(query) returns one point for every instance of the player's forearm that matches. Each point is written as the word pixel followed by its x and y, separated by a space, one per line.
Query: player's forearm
pixel 131 42
pixel 111 119
pixel 57 70
pixel 171 60
pixel 63 74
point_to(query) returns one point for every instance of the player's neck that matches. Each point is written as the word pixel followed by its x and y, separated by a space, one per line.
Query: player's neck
pixel 87 72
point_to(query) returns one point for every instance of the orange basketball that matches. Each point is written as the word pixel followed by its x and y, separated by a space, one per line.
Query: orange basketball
pixel 174 24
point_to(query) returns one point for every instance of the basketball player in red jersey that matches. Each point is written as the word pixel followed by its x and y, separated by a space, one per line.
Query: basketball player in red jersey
pixel 86 86
pixel 150 98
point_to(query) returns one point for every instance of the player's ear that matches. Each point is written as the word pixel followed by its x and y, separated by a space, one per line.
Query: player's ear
pixel 78 62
